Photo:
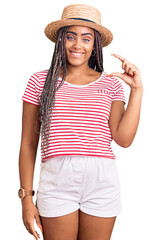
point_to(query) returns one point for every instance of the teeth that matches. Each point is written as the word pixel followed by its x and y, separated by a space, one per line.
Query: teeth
pixel 76 54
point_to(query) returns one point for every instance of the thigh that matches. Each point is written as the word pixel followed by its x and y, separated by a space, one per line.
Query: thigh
pixel 61 228
pixel 95 228
pixel 101 188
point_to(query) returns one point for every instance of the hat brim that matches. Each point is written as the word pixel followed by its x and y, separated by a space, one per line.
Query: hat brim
pixel 52 28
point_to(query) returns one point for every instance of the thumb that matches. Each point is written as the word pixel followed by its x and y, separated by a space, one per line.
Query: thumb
pixel 117 74
pixel 38 222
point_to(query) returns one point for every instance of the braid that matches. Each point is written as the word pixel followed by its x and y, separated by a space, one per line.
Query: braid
pixel 99 55
pixel 47 98
pixel 96 62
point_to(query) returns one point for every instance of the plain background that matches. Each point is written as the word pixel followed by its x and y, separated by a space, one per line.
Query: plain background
pixel 25 49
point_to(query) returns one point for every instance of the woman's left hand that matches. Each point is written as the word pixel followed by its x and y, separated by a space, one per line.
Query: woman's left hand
pixel 131 76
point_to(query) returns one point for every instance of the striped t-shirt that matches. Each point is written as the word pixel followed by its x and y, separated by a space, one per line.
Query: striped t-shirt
pixel 79 124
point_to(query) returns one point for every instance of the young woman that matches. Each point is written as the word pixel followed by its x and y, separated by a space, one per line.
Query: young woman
pixel 78 109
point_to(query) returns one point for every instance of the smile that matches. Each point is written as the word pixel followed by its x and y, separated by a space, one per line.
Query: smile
pixel 76 54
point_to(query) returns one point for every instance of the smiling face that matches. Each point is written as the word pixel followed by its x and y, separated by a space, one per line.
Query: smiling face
pixel 79 44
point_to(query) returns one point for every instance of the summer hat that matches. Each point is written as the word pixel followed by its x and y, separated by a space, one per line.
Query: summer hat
pixel 80 14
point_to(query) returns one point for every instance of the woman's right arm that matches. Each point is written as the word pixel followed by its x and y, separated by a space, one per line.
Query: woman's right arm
pixel 27 157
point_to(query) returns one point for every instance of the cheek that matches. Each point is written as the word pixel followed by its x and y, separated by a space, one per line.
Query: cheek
pixel 67 45
pixel 89 47
pixel 89 50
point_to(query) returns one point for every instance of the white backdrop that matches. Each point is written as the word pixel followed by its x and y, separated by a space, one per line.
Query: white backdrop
pixel 24 49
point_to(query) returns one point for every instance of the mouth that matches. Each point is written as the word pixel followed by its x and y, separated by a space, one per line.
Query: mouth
pixel 76 54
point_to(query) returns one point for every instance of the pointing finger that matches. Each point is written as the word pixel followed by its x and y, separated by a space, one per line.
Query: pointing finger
pixel 119 57
pixel 124 60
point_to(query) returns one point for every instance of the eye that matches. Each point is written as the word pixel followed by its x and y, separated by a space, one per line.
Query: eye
pixel 86 40
pixel 70 37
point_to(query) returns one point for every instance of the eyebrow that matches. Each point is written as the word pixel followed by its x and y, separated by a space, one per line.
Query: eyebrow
pixel 81 34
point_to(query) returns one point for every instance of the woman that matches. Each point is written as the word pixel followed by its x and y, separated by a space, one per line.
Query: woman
pixel 79 109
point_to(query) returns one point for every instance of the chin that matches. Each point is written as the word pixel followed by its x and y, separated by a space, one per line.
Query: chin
pixel 76 63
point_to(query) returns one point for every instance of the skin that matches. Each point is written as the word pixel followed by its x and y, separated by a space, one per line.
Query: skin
pixel 79 40
pixel 123 125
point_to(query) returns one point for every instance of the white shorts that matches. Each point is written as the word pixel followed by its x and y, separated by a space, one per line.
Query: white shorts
pixel 71 182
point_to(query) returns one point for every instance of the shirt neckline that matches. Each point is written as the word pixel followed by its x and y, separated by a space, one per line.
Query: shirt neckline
pixel 84 85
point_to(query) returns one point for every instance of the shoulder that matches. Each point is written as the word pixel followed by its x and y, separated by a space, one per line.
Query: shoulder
pixel 109 80
pixel 38 78
pixel 113 81
pixel 41 74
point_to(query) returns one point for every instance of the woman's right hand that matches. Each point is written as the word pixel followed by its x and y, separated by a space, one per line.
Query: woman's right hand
pixel 29 213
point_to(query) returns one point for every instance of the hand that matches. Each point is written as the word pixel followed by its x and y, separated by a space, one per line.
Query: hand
pixel 29 212
pixel 131 76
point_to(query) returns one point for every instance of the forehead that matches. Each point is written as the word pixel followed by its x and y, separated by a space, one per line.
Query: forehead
pixel 80 29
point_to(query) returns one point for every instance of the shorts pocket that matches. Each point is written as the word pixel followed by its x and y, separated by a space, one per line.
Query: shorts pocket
pixel 110 173
pixel 48 176
pixel 113 176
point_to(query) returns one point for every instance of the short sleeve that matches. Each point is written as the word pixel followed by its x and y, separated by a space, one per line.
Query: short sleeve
pixel 31 94
pixel 118 91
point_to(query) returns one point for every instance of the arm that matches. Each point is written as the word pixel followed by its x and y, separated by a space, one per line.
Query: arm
pixel 123 124
pixel 28 148
pixel 27 156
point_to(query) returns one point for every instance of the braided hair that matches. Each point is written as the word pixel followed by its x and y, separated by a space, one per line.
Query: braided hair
pixel 47 98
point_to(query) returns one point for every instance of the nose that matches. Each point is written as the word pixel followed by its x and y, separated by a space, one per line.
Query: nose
pixel 77 44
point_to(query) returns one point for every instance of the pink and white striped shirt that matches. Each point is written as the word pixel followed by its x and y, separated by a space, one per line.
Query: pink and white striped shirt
pixel 79 125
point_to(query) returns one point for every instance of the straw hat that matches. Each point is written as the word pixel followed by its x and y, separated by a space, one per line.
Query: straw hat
pixel 79 14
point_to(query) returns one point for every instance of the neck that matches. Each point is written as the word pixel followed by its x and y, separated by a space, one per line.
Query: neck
pixel 77 70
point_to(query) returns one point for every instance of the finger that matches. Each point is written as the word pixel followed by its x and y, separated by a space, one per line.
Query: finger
pixel 27 228
pixel 124 64
pixel 38 222
pixel 32 230
pixel 35 234
pixel 126 68
pixel 124 60
pixel 130 72
pixel 135 72
pixel 129 68
pixel 117 74
pixel 119 57
pixel 128 64
pixel 38 235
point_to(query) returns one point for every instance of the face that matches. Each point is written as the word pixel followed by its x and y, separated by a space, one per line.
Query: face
pixel 79 44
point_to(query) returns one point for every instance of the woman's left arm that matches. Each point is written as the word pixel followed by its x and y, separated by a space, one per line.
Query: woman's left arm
pixel 123 124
